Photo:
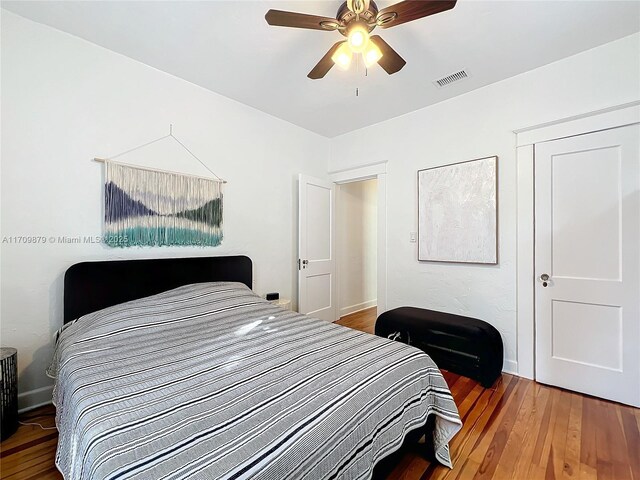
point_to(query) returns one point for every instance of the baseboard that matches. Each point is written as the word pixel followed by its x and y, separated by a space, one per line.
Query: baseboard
pixel 35 398
pixel 510 366
pixel 358 307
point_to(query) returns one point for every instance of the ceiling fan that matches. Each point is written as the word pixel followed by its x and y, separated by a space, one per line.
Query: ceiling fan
pixel 355 20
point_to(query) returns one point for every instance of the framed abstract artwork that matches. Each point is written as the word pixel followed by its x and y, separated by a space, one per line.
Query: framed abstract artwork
pixel 457 212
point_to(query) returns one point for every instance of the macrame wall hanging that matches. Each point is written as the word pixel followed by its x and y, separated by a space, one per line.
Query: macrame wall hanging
pixel 147 207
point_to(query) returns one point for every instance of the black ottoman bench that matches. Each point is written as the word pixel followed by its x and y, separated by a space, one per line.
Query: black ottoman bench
pixel 462 345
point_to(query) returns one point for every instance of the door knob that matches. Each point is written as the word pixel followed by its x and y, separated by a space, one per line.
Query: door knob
pixel 545 279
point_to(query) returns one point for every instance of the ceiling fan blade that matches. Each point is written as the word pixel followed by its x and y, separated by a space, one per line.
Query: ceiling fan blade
pixel 410 10
pixel 300 20
pixel 325 63
pixel 391 62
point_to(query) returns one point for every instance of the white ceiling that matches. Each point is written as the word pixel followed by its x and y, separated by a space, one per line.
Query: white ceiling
pixel 227 47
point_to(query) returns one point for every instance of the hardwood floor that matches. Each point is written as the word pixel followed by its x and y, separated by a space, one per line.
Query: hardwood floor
pixel 29 453
pixel 363 320
pixel 518 430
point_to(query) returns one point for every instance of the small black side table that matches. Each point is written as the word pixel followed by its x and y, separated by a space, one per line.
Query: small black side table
pixel 9 391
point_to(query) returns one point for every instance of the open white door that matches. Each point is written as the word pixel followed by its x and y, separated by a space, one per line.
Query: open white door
pixel 587 263
pixel 316 263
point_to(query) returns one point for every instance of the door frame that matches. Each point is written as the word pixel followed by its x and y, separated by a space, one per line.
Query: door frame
pixel 526 138
pixel 376 171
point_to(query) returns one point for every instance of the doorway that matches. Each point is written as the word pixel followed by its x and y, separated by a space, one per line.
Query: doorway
pixel 356 246
pixel 528 274
pixel 587 263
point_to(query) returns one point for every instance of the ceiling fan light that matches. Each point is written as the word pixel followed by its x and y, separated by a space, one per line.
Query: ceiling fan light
pixel 371 55
pixel 358 38
pixel 342 56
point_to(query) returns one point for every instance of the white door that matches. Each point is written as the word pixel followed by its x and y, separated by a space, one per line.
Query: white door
pixel 316 264
pixel 587 234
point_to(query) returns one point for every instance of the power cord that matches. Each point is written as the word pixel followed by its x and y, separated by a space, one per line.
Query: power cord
pixel 35 424
pixel 38 425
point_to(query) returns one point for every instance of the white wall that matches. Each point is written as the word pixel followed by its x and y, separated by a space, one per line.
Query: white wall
pixel 480 124
pixel 356 243
pixel 65 101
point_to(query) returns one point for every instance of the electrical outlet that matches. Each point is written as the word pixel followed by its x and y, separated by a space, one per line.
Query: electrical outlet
pixel 413 237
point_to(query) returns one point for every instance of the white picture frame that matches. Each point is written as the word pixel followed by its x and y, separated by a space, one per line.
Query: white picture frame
pixel 457 212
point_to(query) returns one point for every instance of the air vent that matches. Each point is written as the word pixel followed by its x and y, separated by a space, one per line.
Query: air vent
pixel 449 79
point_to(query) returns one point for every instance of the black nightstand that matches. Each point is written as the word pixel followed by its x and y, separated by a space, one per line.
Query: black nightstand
pixel 9 391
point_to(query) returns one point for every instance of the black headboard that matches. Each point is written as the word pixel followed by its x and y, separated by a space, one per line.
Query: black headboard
pixel 92 286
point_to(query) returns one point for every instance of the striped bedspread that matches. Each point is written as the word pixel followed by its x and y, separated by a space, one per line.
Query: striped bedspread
pixel 211 381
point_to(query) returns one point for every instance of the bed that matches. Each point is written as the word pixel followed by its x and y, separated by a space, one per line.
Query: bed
pixel 176 369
